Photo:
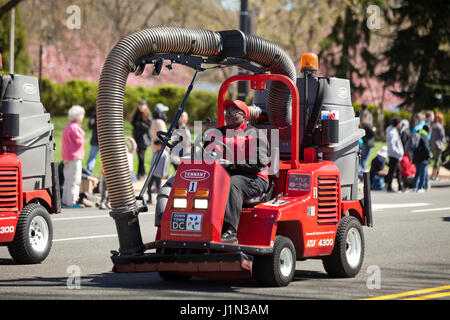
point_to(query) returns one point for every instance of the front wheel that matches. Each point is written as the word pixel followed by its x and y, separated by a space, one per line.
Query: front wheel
pixel 33 239
pixel 346 259
pixel 278 268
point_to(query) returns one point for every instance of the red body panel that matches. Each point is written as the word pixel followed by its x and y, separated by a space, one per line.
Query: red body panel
pixel 43 195
pixel 211 177
pixel 308 213
pixel 354 208
pixel 298 215
pixel 8 223
pixel 12 198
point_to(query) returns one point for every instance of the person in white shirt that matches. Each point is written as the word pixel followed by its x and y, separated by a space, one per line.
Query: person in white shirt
pixel 395 153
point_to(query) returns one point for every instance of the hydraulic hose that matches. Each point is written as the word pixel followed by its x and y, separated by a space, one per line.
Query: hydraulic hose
pixel 111 92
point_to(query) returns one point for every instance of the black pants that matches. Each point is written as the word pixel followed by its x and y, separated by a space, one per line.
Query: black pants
pixel 242 187
pixel 394 170
pixel 141 164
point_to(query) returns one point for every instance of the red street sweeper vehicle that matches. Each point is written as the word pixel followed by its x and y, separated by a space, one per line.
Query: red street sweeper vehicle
pixel 29 186
pixel 312 209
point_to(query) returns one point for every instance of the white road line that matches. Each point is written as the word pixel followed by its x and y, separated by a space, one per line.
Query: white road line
pixel 382 206
pixel 92 217
pixel 80 218
pixel 86 238
pixel 429 210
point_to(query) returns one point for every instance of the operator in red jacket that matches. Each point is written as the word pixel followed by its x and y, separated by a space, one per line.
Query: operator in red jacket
pixel 248 166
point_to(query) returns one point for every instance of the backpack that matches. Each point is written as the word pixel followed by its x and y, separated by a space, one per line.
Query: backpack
pixel 413 142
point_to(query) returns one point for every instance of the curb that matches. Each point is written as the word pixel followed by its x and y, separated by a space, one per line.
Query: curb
pixel 439 184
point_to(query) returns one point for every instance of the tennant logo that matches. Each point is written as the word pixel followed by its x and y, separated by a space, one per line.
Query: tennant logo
pixel 195 175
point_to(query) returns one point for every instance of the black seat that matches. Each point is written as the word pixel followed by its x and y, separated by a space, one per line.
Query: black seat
pixel 273 174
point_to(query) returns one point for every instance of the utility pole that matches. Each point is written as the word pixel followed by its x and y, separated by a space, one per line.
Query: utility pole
pixel 243 86
pixel 41 50
pixel 11 42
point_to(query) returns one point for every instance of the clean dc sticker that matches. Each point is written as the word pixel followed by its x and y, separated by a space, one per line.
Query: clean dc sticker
pixel 186 222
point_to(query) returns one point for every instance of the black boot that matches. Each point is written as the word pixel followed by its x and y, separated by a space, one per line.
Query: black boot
pixel 228 234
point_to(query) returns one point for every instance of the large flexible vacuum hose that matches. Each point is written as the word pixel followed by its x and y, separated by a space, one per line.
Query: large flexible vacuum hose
pixel 114 76
pixel 111 94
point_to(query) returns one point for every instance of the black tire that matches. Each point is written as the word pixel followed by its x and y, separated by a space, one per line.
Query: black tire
pixel 340 263
pixel 174 277
pixel 33 217
pixel 268 268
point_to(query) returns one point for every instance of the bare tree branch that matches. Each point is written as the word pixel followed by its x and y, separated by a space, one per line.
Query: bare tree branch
pixel 8 6
pixel 150 14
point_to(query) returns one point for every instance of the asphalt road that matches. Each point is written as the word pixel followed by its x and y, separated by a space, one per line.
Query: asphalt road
pixel 407 250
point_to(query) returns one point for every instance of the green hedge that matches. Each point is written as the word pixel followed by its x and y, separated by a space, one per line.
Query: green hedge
pixel 58 98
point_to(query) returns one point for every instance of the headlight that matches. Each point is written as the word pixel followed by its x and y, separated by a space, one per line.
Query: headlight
pixel 180 203
pixel 201 204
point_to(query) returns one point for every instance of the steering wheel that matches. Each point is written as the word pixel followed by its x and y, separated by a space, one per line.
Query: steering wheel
pixel 199 142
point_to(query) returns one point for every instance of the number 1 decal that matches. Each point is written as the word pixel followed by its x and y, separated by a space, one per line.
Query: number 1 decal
pixel 192 186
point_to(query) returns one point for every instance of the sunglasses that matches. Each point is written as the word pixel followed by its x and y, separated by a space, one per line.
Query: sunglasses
pixel 233 112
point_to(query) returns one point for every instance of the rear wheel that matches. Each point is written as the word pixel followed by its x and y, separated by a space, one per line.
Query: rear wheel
pixel 348 252
pixel 33 239
pixel 278 268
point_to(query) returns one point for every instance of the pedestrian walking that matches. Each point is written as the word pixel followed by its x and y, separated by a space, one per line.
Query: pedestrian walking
pixel 72 150
pixel 421 159
pixel 395 153
pixel 437 143
pixel 158 124
pixel 142 122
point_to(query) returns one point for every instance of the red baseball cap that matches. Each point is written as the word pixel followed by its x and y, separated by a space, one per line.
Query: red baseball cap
pixel 239 104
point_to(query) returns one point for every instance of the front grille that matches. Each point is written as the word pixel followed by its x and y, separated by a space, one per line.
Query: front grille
pixel 328 197
pixel 9 189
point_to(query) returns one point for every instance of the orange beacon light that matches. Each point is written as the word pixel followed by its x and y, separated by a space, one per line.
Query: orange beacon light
pixel 309 63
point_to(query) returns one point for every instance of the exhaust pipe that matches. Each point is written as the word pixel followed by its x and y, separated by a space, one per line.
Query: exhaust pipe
pixel 111 92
